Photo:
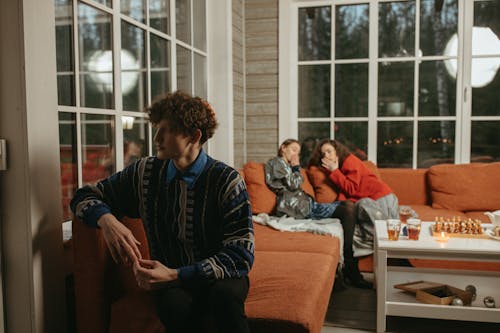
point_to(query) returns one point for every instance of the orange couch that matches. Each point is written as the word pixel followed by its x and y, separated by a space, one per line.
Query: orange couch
pixel 290 282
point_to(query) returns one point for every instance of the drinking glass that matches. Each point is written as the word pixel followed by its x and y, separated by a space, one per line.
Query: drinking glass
pixel 404 213
pixel 413 228
pixel 393 229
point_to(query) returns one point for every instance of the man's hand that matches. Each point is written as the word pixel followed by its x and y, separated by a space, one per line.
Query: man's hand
pixel 121 242
pixel 329 164
pixel 152 274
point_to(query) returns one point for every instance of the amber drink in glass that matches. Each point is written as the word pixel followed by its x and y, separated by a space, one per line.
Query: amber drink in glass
pixel 393 229
pixel 413 228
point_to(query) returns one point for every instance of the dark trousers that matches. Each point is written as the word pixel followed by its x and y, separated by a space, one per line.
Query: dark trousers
pixel 346 212
pixel 182 309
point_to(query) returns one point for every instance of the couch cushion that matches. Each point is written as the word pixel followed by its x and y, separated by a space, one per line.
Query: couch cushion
pixel 262 199
pixel 289 291
pixel 268 239
pixel 322 185
pixel 478 215
pixel 465 187
pixel 409 185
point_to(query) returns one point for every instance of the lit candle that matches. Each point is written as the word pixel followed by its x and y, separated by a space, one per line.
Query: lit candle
pixel 443 237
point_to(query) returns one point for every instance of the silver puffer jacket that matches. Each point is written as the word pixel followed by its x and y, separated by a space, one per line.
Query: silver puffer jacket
pixel 286 183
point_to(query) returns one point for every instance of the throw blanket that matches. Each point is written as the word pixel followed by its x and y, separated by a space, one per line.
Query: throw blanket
pixel 329 226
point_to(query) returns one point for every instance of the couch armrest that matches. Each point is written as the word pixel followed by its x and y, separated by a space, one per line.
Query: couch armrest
pixel 91 260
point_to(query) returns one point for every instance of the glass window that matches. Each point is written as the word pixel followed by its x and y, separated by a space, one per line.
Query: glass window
pixel 98 147
pixel 136 9
pixel 102 58
pixel 395 89
pixel 64 52
pixel 68 159
pixel 314 91
pixel 133 68
pixel 314 33
pixel 351 31
pixel 135 139
pixel 96 58
pixel 396 29
pixel 183 20
pixel 159 15
pixel 412 93
pixel 199 24
pixel 184 69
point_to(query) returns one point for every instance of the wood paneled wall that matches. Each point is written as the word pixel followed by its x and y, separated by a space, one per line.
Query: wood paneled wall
pixel 238 83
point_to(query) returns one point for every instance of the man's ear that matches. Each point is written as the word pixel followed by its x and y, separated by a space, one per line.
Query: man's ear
pixel 196 137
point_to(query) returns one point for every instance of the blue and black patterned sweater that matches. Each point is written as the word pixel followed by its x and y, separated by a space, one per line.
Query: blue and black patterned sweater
pixel 204 230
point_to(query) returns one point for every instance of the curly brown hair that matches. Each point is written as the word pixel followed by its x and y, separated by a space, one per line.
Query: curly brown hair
pixel 184 113
pixel 341 150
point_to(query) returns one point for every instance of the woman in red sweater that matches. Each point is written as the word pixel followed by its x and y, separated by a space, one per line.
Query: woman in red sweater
pixel 352 180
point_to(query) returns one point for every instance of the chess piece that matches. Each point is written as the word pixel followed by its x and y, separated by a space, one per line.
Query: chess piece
pixel 470 288
pixel 489 302
pixel 457 301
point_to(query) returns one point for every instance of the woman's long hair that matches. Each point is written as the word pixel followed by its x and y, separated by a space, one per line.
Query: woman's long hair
pixel 316 156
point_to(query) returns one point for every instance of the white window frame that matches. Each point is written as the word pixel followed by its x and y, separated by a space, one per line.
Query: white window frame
pixel 288 76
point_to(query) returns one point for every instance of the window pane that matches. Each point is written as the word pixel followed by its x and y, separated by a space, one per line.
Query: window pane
pixel 486 87
pixel 314 91
pixel 159 15
pixel 437 91
pixel 183 20
pixel 485 141
pixel 486 30
pixel 351 30
pixel 133 68
pixel 436 143
pixel 107 3
pixel 200 75
pixel 64 52
pixel 136 9
pixel 315 33
pixel 355 136
pixel 395 144
pixel 395 89
pixel 68 159
pixel 96 58
pixel 438 23
pixel 160 66
pixel 199 24
pixel 184 69
pixel 135 139
pixel 309 134
pixel 98 144
pixel 396 29
pixel 351 90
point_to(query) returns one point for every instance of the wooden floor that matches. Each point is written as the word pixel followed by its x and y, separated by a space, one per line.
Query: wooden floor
pixel 354 310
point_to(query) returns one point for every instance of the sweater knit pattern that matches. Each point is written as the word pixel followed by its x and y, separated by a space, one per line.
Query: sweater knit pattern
pixel 205 231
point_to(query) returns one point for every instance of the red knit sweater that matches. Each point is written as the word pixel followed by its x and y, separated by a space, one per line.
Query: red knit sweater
pixel 355 181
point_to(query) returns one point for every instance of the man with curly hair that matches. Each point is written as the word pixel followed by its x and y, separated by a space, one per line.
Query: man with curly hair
pixel 197 218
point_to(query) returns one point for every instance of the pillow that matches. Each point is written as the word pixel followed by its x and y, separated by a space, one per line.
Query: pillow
pixel 465 187
pixel 323 187
pixel 263 200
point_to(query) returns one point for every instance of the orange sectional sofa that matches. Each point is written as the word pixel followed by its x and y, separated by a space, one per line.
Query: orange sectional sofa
pixel 293 273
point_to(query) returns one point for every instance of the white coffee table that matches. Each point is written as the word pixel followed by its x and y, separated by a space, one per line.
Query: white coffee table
pixel 394 302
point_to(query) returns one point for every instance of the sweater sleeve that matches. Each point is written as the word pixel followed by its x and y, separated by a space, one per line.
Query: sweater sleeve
pixel 348 178
pixel 117 195
pixel 235 258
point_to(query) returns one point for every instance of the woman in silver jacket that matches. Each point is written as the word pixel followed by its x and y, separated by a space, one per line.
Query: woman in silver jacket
pixel 283 178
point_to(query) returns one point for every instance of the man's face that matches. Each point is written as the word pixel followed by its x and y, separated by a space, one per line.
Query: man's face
pixel 170 143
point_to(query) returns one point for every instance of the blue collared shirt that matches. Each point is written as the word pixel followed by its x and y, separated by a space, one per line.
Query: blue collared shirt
pixel 191 175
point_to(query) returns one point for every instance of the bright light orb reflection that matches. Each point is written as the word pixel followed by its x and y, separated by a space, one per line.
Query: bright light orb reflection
pixel 484 42
pixel 100 66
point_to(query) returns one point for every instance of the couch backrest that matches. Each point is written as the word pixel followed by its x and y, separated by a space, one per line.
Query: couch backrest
pixel 409 185
pixel 465 187
pixel 262 199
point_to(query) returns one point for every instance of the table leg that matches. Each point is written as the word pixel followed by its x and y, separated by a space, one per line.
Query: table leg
pixel 381 278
